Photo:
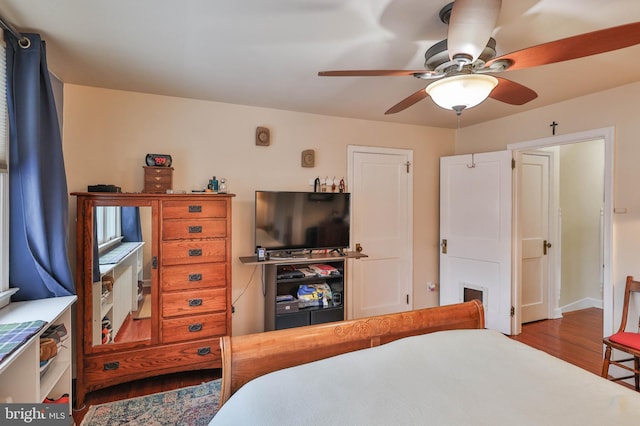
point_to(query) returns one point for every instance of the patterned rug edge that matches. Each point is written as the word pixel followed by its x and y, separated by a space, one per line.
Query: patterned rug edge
pixel 193 405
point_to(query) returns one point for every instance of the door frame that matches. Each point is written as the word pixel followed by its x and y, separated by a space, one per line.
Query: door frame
pixel 607 134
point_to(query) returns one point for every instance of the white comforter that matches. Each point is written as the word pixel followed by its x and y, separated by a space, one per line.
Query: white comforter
pixel 461 377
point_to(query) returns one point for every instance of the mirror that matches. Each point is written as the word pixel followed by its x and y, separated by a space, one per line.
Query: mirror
pixel 122 290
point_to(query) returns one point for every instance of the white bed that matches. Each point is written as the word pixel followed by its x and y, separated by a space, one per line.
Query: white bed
pixel 455 377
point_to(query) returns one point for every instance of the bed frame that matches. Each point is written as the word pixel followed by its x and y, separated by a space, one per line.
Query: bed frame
pixel 247 357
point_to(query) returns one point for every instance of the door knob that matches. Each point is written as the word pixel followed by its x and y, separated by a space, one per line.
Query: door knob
pixel 358 248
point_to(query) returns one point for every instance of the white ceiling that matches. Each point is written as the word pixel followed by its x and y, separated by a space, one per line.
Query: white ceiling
pixel 267 53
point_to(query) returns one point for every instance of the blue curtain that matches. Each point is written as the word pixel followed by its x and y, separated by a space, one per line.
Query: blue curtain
pixel 38 256
pixel 96 253
pixel 130 224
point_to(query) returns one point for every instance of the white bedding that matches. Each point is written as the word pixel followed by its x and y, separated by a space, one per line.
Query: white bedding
pixel 460 377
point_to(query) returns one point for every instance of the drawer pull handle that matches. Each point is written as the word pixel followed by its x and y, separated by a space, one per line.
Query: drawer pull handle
pixel 195 327
pixel 195 252
pixel 204 351
pixel 195 277
pixel 110 366
pixel 195 229
pixel 195 302
pixel 195 209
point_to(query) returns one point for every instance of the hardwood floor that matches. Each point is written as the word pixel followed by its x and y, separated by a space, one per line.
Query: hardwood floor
pixel 575 338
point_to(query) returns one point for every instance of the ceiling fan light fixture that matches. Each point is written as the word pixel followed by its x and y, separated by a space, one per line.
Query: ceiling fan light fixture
pixel 461 91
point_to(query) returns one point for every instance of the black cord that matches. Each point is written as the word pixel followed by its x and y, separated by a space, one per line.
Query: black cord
pixel 246 286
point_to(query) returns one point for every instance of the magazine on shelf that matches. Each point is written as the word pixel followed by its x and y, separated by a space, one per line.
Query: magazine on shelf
pixel 324 269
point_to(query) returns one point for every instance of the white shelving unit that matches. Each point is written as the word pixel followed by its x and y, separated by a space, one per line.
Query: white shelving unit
pixel 20 378
pixel 117 303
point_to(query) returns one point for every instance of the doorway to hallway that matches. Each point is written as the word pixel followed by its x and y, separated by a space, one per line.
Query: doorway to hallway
pixel 581 175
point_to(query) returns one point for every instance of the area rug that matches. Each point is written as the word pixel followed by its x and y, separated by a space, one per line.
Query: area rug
pixel 193 405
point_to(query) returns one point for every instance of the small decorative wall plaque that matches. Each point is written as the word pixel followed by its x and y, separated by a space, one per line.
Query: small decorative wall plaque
pixel 308 158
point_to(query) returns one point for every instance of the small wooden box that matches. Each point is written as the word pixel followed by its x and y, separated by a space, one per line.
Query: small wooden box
pixel 157 179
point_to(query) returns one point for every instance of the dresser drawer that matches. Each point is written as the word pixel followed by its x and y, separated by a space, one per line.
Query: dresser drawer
pixel 194 327
pixel 178 229
pixel 154 178
pixel 194 302
pixel 198 275
pixel 109 369
pixel 156 188
pixel 193 251
pixel 194 209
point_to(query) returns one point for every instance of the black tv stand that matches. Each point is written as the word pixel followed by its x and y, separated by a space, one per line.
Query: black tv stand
pixel 339 251
pixel 280 283
pixel 277 316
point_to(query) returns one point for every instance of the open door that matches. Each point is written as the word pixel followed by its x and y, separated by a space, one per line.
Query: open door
pixel 534 229
pixel 476 234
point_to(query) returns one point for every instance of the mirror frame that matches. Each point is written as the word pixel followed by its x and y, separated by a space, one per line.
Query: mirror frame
pixel 84 267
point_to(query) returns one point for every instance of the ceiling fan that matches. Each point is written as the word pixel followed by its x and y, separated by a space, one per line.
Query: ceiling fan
pixel 461 65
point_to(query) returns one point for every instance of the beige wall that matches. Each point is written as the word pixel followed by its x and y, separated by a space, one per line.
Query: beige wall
pixel 581 190
pixel 107 134
pixel 616 107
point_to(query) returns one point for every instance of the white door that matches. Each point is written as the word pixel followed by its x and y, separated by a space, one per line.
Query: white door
pixel 380 182
pixel 534 230
pixel 475 232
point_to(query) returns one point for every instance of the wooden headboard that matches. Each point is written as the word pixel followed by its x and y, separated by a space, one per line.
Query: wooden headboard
pixel 247 357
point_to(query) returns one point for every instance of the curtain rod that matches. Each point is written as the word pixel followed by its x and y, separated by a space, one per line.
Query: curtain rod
pixel 21 39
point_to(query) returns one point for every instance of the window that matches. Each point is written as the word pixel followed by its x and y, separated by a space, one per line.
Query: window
pixel 108 227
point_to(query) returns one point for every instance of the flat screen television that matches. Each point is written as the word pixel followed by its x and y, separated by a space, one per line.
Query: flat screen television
pixel 295 221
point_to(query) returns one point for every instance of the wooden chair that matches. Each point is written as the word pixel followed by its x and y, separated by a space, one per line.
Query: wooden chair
pixel 625 341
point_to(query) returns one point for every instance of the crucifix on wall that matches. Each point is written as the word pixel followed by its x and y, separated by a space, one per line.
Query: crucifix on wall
pixel 553 127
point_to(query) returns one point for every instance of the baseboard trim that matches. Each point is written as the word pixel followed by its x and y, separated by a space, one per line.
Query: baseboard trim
pixel 587 302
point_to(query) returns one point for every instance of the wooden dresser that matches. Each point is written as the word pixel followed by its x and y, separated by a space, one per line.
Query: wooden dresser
pixel 185 279
pixel 194 265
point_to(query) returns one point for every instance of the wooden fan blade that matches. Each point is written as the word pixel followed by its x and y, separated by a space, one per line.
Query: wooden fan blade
pixel 513 93
pixel 408 101
pixel 374 73
pixel 579 46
